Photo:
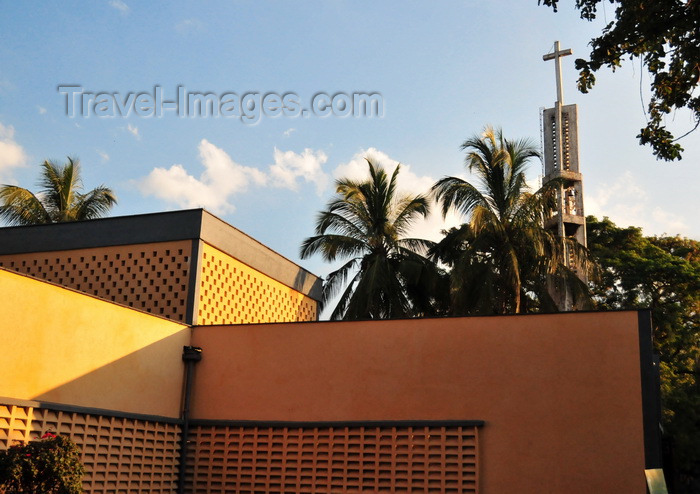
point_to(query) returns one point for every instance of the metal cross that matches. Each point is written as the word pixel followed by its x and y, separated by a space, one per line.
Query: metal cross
pixel 556 56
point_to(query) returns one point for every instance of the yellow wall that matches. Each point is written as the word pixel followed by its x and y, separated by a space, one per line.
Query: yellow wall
pixel 231 292
pixel 66 347
pixel 152 277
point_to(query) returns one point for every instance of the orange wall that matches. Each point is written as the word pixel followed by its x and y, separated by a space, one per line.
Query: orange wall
pixel 560 394
pixel 62 346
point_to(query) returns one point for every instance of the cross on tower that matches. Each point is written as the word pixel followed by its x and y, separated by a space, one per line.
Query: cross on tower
pixel 556 56
pixel 567 221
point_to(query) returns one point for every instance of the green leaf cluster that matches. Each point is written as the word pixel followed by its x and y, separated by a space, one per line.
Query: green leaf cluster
pixel 662 274
pixel 47 466
pixel 665 36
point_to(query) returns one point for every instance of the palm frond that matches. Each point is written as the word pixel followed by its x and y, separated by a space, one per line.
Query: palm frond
pixel 503 254
pixel 340 221
pixel 408 209
pixel 458 194
pixel 344 302
pixel 366 223
pixel 20 207
pixel 94 204
pixel 336 280
pixel 58 200
pixel 332 246
pixel 417 246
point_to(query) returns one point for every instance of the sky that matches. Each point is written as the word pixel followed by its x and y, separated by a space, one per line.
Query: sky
pixel 98 81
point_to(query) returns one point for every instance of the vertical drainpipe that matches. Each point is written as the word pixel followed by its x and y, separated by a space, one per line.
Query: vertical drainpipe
pixel 190 355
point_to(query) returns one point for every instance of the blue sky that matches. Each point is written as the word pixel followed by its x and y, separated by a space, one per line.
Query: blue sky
pixel 444 70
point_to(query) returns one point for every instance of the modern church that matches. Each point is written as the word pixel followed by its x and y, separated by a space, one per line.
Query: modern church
pixel 183 356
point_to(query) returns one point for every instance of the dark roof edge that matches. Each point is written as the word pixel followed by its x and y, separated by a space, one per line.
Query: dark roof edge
pixel 166 226
pixel 102 232
pixel 229 239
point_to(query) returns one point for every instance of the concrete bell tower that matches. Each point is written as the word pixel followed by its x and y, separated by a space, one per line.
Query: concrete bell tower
pixel 561 160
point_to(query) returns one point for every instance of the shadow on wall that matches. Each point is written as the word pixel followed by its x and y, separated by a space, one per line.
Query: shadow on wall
pixel 314 292
pixel 300 281
pixel 147 381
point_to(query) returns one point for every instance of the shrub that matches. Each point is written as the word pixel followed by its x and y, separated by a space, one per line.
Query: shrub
pixel 50 465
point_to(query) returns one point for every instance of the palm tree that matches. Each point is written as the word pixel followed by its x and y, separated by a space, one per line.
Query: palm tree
pixel 502 259
pixel 385 275
pixel 59 199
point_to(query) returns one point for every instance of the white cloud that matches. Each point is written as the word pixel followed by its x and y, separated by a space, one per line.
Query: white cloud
pixel 11 154
pixel 289 166
pixel 134 130
pixel 120 6
pixel 289 132
pixel 103 155
pixel 42 110
pixel 626 203
pixel 408 183
pixel 222 178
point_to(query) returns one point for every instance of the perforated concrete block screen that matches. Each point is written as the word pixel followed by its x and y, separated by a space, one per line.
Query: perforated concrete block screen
pixel 231 292
pixel 119 454
pixel 334 458
pixel 151 277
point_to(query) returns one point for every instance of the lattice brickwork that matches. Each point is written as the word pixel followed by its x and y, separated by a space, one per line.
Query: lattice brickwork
pixel 333 460
pixel 120 454
pixel 231 292
pixel 150 277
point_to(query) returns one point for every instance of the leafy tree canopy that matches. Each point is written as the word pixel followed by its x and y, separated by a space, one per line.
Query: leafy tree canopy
pixel 665 34
pixel 662 274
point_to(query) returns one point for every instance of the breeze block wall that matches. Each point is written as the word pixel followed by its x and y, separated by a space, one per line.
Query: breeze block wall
pixel 230 292
pixel 153 277
pixel 333 457
pixel 120 454
pixel 188 266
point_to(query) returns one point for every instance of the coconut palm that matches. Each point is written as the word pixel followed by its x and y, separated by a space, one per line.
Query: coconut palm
pixel 502 259
pixel 59 200
pixel 384 274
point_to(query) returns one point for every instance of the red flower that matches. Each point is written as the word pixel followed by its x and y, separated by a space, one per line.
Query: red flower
pixel 49 435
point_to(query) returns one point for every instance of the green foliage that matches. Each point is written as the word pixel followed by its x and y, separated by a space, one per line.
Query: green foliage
pixel 59 199
pixel 663 274
pixel 385 275
pixel 502 259
pixel 50 465
pixel 665 35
